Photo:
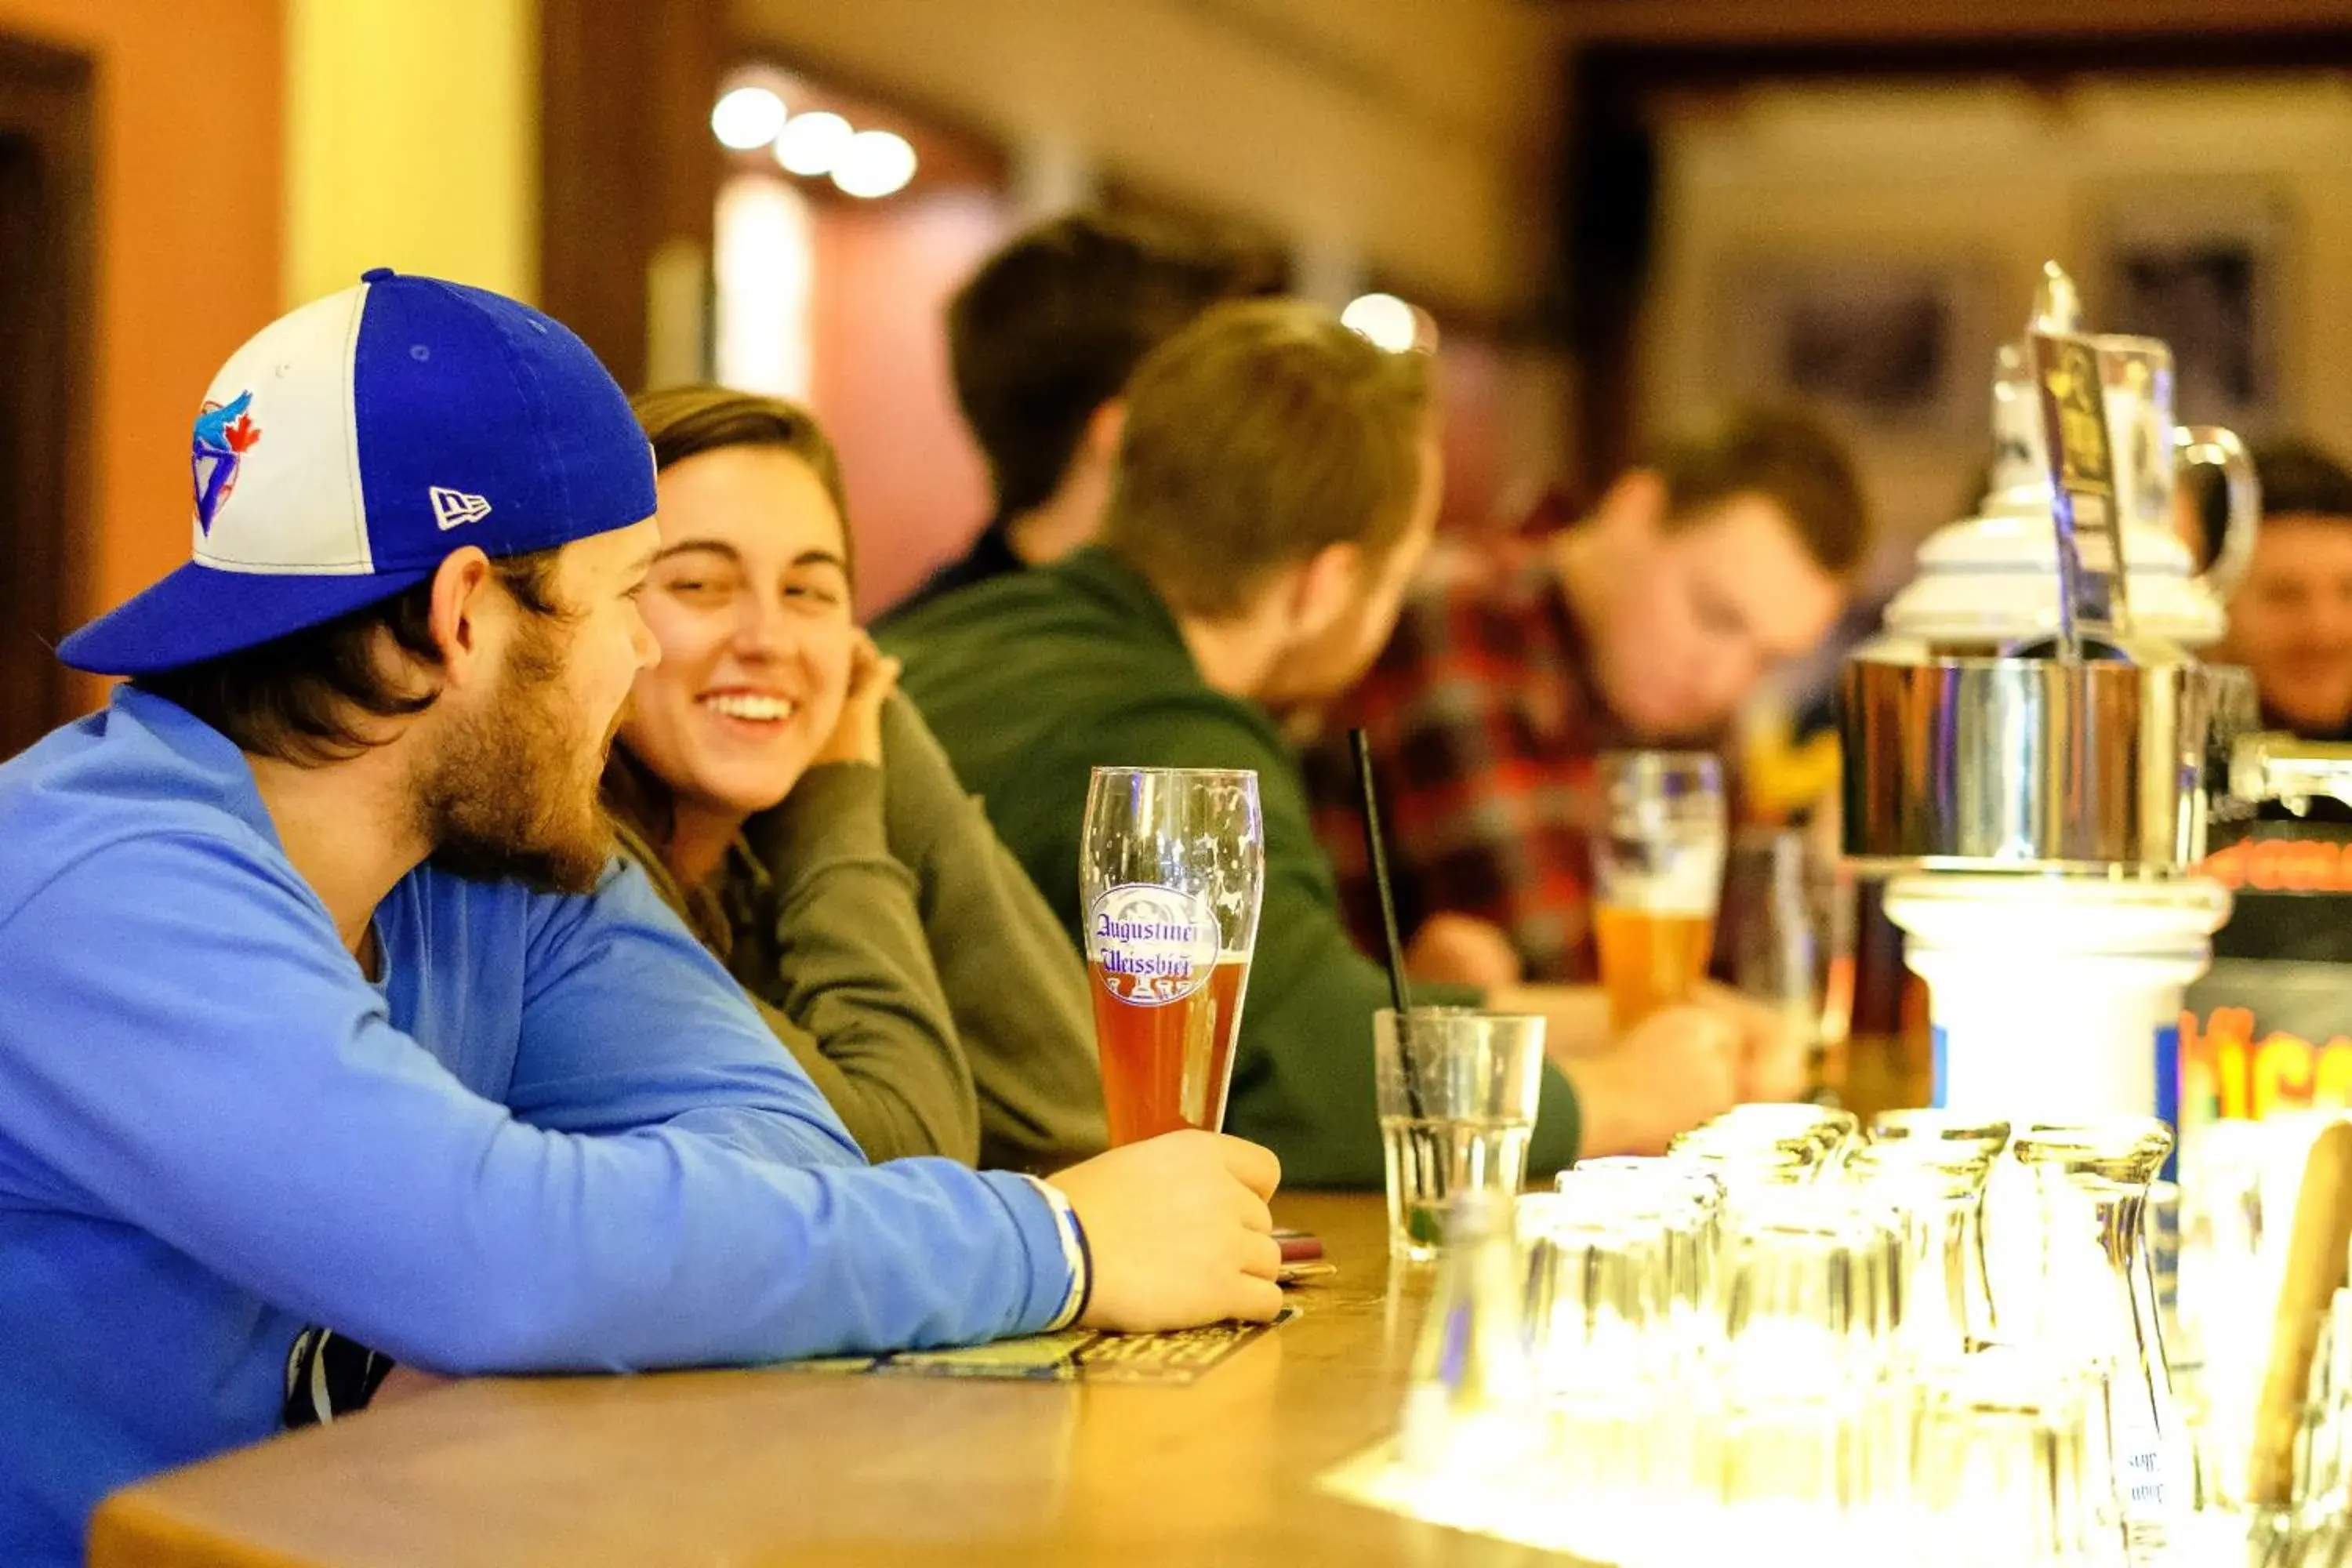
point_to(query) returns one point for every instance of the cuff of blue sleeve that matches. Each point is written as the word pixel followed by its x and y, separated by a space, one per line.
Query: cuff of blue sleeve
pixel 1060 1275
pixel 1558 1125
pixel 1075 1252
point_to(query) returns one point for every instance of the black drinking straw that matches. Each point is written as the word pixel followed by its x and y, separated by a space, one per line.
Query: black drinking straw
pixel 1376 847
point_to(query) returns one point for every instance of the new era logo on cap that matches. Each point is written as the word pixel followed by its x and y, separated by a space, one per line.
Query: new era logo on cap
pixel 338 453
pixel 455 509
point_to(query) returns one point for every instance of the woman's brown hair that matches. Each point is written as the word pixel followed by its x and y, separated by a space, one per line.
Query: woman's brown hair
pixel 684 422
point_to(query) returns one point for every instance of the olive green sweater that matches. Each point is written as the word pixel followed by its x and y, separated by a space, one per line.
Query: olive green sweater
pixel 903 956
pixel 1032 680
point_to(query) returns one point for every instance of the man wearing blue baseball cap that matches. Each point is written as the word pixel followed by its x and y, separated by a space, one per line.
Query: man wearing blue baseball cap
pixel 325 1012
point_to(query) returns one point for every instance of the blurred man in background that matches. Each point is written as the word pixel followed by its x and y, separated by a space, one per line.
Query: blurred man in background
pixel 2291 617
pixel 1041 342
pixel 1276 486
pixel 1720 556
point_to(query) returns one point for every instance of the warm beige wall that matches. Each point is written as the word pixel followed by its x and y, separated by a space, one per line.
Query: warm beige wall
pixel 1399 132
pixel 2010 177
pixel 411 141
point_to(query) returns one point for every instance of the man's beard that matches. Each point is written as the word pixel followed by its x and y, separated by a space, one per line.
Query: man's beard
pixel 510 795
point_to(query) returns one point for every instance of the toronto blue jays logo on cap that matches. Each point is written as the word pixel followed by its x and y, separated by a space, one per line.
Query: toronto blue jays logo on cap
pixel 223 433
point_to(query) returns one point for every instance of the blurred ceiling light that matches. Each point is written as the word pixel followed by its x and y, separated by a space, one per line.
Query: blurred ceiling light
pixel 1386 320
pixel 874 163
pixel 813 143
pixel 747 117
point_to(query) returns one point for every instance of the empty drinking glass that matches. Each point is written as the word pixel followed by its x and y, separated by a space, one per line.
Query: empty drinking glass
pixel 1788 914
pixel 1472 1428
pixel 1600 1317
pixel 2005 1471
pixel 1600 1306
pixel 1937 1187
pixel 1686 1204
pixel 1987 1136
pixel 1756 1146
pixel 2098 1305
pixel 1745 1163
pixel 1958 1137
pixel 1831 1128
pixel 1810 1439
pixel 1457 1091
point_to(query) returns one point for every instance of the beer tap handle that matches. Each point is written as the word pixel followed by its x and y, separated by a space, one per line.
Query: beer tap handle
pixel 2057 303
pixel 2272 765
pixel 2091 614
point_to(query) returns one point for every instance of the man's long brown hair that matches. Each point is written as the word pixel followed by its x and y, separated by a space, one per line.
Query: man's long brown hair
pixel 310 697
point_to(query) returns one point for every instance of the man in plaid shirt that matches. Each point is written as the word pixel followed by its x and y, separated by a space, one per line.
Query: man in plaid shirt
pixel 1519 662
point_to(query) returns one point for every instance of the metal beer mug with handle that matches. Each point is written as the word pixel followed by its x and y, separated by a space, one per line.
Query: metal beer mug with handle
pixel 1171 867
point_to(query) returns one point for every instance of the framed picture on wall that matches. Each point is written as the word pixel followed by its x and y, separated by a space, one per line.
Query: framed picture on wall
pixel 2205 269
pixel 1884 344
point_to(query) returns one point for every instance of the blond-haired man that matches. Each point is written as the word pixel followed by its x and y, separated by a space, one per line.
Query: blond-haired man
pixel 1275 485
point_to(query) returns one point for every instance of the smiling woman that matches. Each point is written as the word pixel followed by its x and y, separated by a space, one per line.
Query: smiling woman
pixel 761 675
pixel 800 815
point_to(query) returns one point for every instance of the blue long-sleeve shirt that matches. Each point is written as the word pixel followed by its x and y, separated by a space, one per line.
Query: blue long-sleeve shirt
pixel 556 1137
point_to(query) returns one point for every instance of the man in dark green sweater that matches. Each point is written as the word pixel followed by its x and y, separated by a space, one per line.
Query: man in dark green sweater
pixel 1277 482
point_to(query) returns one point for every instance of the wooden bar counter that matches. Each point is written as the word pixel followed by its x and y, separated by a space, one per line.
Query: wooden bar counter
pixel 742 1469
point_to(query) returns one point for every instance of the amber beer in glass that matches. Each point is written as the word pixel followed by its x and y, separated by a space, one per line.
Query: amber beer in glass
pixel 1172 866
pixel 1657 878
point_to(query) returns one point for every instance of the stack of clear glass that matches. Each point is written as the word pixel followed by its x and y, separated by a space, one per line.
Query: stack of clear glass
pixel 1783 1337
pixel 2271 1452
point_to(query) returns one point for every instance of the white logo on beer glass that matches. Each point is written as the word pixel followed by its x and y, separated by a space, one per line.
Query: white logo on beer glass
pixel 1156 945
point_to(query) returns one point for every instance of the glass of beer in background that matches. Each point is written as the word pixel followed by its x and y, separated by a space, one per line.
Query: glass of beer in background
pixel 1171 865
pixel 1657 869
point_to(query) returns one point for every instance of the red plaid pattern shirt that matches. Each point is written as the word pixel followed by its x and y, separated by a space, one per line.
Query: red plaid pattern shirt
pixel 1485 733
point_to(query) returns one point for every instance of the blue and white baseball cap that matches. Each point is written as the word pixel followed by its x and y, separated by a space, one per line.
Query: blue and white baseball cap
pixel 350 447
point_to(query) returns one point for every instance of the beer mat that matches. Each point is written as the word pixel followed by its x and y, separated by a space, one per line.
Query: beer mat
pixel 1074 1355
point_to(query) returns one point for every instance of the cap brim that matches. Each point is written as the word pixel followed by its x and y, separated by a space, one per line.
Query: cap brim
pixel 201 612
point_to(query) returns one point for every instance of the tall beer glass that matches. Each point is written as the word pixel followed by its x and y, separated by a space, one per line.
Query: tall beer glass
pixel 1658 877
pixel 1172 866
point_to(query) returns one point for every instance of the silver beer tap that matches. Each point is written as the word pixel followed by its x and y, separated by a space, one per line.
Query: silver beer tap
pixel 2093 747
pixel 2271 765
pixel 2247 765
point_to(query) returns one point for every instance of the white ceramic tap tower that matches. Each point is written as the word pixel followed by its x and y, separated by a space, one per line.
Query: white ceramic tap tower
pixel 2056 994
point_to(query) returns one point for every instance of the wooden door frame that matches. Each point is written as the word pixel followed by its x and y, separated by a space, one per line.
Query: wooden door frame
pixel 626 159
pixel 47 95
